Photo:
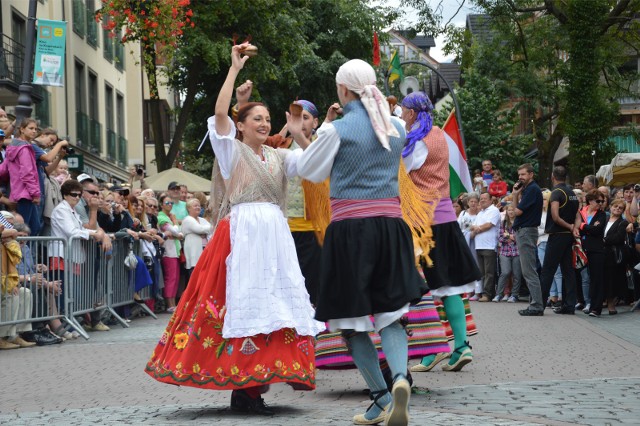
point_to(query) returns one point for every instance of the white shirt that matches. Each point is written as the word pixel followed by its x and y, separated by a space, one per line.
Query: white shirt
pixel 224 149
pixel 66 223
pixel 316 162
pixel 196 233
pixel 488 240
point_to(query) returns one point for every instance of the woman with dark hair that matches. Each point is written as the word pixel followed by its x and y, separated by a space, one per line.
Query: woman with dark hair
pixel 245 320
pixel 594 221
pixel 65 224
pixel 168 225
pixel 615 244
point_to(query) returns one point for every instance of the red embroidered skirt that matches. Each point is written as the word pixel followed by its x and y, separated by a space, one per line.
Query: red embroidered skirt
pixel 192 351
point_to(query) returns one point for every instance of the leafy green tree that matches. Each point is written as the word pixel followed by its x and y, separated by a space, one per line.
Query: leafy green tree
pixel 301 45
pixel 564 68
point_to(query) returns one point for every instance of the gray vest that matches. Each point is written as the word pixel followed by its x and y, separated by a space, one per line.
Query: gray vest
pixel 363 169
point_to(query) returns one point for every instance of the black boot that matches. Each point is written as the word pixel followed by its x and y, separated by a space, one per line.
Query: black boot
pixel 241 401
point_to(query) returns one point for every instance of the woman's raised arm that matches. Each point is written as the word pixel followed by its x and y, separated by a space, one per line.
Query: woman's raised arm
pixel 224 97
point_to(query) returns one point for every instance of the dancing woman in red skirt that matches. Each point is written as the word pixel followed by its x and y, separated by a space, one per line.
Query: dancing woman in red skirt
pixel 245 321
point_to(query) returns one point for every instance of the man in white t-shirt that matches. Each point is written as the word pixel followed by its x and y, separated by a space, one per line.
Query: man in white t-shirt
pixel 485 236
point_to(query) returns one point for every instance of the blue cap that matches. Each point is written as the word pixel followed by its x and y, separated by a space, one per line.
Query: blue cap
pixel 2 135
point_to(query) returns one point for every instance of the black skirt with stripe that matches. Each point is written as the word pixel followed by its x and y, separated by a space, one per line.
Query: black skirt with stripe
pixel 368 267
pixel 453 262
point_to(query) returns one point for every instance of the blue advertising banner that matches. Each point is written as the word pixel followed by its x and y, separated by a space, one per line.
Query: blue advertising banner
pixel 50 46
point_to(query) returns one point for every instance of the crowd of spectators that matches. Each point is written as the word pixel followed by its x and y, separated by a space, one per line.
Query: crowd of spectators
pixel 40 197
pixel 527 233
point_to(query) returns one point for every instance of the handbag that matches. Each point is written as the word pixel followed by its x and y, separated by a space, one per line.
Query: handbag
pixel 618 254
pixel 131 261
pixel 578 256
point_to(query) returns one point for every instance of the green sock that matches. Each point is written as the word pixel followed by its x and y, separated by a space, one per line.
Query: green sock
pixel 454 307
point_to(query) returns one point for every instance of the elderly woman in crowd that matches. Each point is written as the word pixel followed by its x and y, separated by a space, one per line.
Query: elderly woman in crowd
pixel 66 223
pixel 594 221
pixel 615 242
pixel 196 232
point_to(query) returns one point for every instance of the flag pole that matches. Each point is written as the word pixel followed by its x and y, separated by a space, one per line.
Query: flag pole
pixel 453 95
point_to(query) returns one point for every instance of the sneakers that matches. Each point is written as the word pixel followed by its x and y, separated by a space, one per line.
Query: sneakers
pixel 399 414
pixel 594 314
pixel 530 313
pixel 512 299
pixel 579 305
pixel 474 298
pixel 484 299
pixel 497 298
pixel 564 310
pixel 587 308
pixel 5 344
pixel 100 327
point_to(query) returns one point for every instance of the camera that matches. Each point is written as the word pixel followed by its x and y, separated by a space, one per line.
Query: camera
pixel 68 149
pixel 139 170
pixel 636 187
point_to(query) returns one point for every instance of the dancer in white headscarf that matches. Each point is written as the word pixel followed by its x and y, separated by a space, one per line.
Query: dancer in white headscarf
pixel 367 259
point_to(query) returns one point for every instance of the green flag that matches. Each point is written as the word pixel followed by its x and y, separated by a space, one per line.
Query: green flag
pixel 395 70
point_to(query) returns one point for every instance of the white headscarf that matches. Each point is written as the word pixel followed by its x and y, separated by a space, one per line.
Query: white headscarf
pixel 359 77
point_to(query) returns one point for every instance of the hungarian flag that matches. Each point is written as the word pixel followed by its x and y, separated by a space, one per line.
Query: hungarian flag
pixel 395 70
pixel 459 176
pixel 376 50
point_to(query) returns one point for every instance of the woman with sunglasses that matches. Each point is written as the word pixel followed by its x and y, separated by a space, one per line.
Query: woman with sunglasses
pixel 594 221
pixel 168 225
pixel 66 223
pixel 615 243
pixel 245 320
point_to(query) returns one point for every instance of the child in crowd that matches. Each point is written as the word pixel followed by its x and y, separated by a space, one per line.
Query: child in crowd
pixel 509 258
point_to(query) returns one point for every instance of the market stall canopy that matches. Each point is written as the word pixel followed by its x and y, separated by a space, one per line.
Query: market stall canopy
pixel 603 171
pixel 160 181
pixel 623 170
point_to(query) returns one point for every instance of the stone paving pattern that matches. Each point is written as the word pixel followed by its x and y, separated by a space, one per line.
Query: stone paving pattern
pixel 551 370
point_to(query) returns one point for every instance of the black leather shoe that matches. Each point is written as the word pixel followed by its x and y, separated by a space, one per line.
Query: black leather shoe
pixel 564 310
pixel 42 337
pixel 530 313
pixel 242 402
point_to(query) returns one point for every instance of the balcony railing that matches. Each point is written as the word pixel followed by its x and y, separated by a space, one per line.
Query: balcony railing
pixel 82 129
pixel 95 140
pixel 122 151
pixel 112 147
pixel 11 59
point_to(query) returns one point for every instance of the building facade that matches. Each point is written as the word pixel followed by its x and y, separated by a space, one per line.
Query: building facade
pixel 101 107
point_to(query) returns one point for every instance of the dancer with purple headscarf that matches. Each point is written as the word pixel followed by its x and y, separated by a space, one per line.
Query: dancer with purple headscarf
pixel 454 271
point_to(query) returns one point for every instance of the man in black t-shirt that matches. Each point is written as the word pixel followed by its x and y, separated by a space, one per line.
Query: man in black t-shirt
pixel 563 222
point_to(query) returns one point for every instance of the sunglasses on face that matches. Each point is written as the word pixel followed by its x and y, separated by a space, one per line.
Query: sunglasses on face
pixel 91 192
pixel 153 207
pixel 599 201
pixel 168 203
pixel 75 194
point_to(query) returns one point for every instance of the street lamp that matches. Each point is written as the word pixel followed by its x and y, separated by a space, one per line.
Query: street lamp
pixel 23 108
pixel 453 95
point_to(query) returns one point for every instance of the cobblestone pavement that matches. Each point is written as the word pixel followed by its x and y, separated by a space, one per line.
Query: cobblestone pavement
pixel 551 370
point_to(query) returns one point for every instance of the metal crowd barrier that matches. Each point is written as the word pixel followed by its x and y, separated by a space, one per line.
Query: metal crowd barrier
pixel 91 281
pixel 40 296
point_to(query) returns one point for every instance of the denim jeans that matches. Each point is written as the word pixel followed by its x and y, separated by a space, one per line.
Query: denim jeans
pixel 526 238
pixel 510 265
pixel 585 274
